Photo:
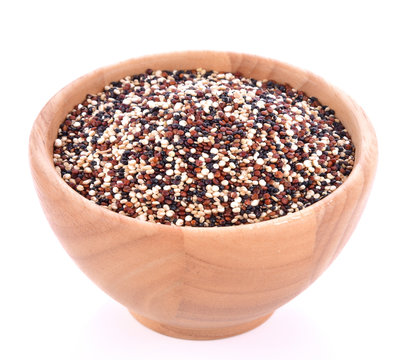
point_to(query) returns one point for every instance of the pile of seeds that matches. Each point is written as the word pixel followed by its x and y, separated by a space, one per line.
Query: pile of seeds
pixel 202 148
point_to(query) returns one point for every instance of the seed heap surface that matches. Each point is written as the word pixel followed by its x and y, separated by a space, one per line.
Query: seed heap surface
pixel 199 148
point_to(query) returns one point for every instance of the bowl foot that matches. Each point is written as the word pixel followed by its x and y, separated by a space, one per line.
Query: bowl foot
pixel 199 334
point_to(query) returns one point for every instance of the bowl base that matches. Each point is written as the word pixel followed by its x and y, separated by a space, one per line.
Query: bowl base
pixel 199 334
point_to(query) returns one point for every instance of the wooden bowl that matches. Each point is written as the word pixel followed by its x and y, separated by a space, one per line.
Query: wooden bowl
pixel 202 283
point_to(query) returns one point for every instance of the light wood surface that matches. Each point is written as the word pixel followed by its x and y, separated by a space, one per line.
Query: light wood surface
pixel 202 283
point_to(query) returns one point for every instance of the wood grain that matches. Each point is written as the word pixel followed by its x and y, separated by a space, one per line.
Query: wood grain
pixel 200 283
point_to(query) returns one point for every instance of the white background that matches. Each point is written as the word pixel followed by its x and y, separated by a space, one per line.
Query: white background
pixel 359 308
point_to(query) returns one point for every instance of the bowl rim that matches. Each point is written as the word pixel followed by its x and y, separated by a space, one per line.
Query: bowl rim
pixel 360 156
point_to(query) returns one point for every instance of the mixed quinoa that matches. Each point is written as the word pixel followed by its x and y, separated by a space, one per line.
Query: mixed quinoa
pixel 202 148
